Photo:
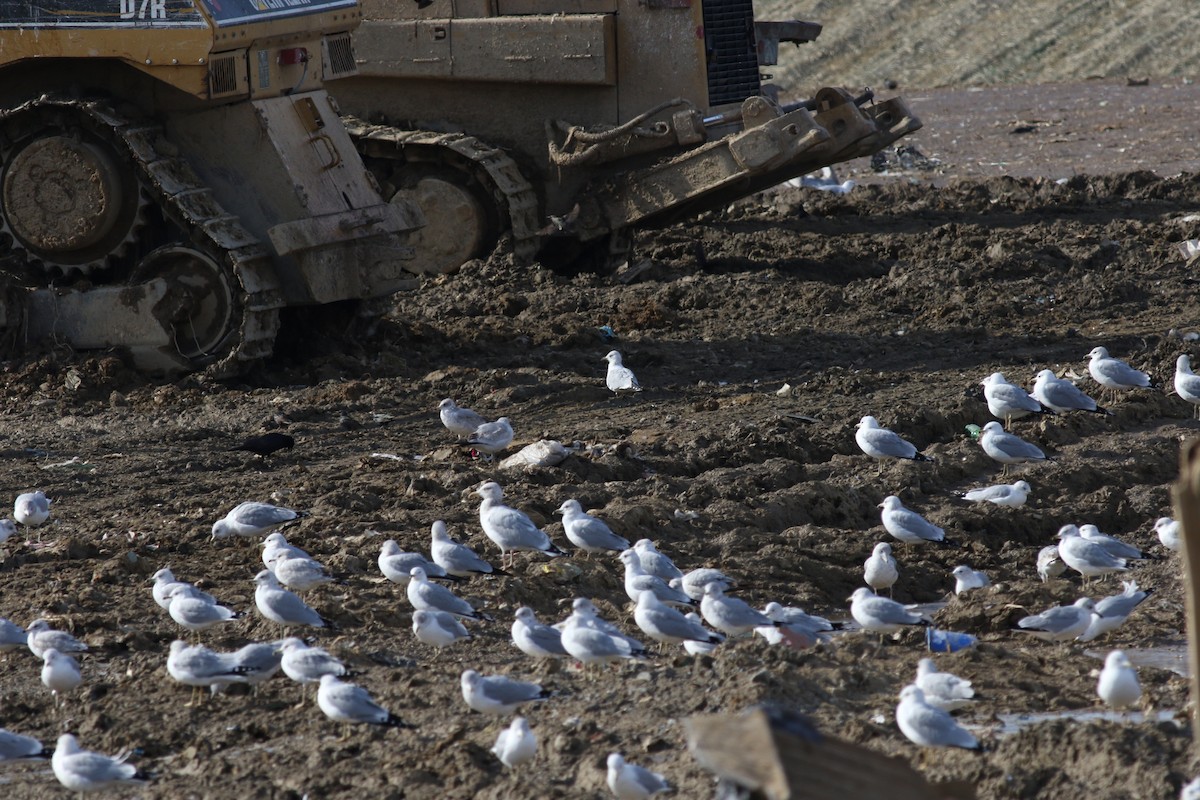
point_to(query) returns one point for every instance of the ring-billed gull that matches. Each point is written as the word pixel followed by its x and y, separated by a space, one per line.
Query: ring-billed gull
pixel 32 509
pixel 943 690
pixel 535 639
pixel 189 608
pixel 1007 448
pixel 1087 558
pixel 254 519
pixel 906 525
pixel 281 606
pixel 426 596
pixel 40 637
pixel 1118 685
pixel 705 648
pixel 454 557
pixel 619 378
pixel 15 747
pixel 966 579
pixel 60 673
pixel 1187 383
pixel 348 703
pixel 794 626
pixel 492 437
pixel 631 782
pixel 397 565
pixel 1112 611
pixel 732 616
pixel 1060 623
pixel 587 643
pixel 8 529
pixel 588 533
pixel 881 615
pixel 305 664
pixel 300 574
pixel 1007 401
pixel 880 443
pixel 257 661
pixel 1062 395
pixel 516 744
pixel 86 771
pixel 460 421
pixel 654 562
pixel 201 668
pixel 638 582
pixel 928 725
pixel 1049 563
pixel 511 530
pixel 880 570
pixel 1168 533
pixel 693 582
pixel 1112 544
pixel 12 636
pixel 1114 374
pixel 664 624
pixel 497 694
pixel 165 583
pixel 1008 495
pixel 276 546
pixel 438 628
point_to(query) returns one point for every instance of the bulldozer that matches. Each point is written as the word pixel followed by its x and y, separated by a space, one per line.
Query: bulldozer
pixel 567 125
pixel 173 175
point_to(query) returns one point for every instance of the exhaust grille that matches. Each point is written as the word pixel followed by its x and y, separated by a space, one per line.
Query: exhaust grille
pixel 731 52
pixel 339 56
pixel 222 75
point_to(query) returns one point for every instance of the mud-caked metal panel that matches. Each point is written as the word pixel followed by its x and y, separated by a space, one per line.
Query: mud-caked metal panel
pixel 404 49
pixel 660 54
pixel 521 7
pixel 515 49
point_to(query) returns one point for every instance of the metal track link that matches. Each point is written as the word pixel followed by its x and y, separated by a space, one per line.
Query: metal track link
pixel 511 191
pixel 186 202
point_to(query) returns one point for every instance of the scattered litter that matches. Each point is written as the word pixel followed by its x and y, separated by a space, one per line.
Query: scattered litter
pixel 607 333
pixel 974 430
pixel 544 453
pixel 388 456
pixel 686 516
pixel 627 273
pixel 75 462
pixel 1189 249
pixel 947 641
pixel 784 390
pixel 802 418
pixel 73 380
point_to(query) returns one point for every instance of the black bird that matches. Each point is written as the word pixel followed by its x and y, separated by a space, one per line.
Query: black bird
pixel 266 444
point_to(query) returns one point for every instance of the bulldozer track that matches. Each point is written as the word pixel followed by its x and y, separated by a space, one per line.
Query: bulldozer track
pixel 182 198
pixel 513 194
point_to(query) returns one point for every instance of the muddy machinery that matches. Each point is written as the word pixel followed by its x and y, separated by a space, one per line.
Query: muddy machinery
pixel 172 175
pixel 571 123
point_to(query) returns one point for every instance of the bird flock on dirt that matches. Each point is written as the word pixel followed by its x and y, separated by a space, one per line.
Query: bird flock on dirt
pixel 671 607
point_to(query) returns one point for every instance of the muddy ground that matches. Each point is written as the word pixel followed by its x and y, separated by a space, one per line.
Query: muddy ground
pixel 894 300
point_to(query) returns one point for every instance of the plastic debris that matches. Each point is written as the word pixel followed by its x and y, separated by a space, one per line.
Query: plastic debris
pixel 947 641
pixel 543 453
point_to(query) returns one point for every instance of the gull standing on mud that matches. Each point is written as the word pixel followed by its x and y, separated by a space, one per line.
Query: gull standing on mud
pixel 1007 448
pixel 631 782
pixel 1112 544
pixel 511 530
pixel 1167 530
pixel 880 570
pixel 305 665
pixel 15 747
pixel 40 637
pixel 666 625
pixel 201 668
pixel 31 509
pixel 966 579
pixel 60 673
pixel 516 744
pixel 1118 686
pixel 943 690
pixel 276 546
pixel 254 519
pixel 454 558
pixel 426 596
pixel 438 628
pixel 797 628
pixel 906 525
pixel 281 606
pixel 731 615
pixel 881 443
pixel 881 615
pixel 1004 494
pixel 165 583
pixel 619 377
pixel 1114 374
pixel 85 771
pixel 588 533
pixel 300 574
pixel 1061 395
pixel 535 639
pixel 497 694
pixel 1060 623
pixel 12 636
pixel 1187 383
pixel 1087 558
pixel 348 703
pixel 1112 611
pixel 492 437
pixel 693 582
pixel 1007 401
pixel 1049 564
pixel 929 726
pixel 190 609
pixel 397 566
pixel 654 562
pixel 592 640
pixel 462 422
pixel 639 582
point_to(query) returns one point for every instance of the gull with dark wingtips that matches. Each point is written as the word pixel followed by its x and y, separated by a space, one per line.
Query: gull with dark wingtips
pixel 460 421
pixel 498 694
pixel 880 443
pixel 1061 395
pixel 455 558
pixel 511 530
